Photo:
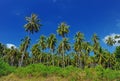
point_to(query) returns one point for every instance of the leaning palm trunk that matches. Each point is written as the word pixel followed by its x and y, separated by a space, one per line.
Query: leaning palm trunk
pixel 23 54
pixel 63 65
pixel 21 61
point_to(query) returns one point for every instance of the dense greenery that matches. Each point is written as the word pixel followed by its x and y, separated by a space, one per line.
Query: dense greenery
pixel 60 54
pixel 40 72
pixel 5 69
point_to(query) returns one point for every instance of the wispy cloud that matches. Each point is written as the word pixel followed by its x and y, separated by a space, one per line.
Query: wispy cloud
pixel 10 45
pixel 113 36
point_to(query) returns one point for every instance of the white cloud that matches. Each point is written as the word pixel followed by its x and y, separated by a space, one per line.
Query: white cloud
pixel 10 45
pixel 113 36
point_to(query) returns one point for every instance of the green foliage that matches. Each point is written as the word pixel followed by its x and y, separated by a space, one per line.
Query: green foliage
pixel 117 53
pixel 36 69
pixel 40 69
pixel 5 69
pixel 111 74
pixel 100 71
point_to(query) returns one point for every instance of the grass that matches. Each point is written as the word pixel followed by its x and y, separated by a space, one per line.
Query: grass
pixel 40 72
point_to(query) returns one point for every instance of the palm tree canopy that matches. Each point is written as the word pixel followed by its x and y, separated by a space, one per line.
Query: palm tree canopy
pixel 95 38
pixel 96 44
pixel 35 50
pixel 63 29
pixel 110 41
pixel 42 42
pixel 52 41
pixel 79 37
pixel 33 24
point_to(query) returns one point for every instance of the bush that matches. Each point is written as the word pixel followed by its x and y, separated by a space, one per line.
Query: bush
pixel 37 69
pixel 72 73
pixel 5 69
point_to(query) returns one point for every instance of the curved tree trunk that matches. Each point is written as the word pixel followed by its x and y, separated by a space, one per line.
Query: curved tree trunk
pixel 23 54
pixel 63 63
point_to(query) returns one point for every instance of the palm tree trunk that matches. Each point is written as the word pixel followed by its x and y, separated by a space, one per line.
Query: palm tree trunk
pixel 79 62
pixel 63 65
pixel 23 54
pixel 52 57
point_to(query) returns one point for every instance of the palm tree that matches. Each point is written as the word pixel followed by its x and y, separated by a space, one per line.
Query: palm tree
pixel 32 25
pixel 36 51
pixel 101 56
pixel 23 48
pixel 59 53
pixel 96 45
pixel 63 30
pixel 110 41
pixel 64 43
pixel 86 49
pixel 79 37
pixel 51 44
pixel 66 46
pixel 43 44
pixel 2 48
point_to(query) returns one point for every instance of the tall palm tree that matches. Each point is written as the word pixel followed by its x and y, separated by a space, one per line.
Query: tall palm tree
pixel 65 43
pixel 86 49
pixel 59 53
pixel 96 46
pixel 32 25
pixel 51 44
pixel 43 44
pixel 63 30
pixel 23 48
pixel 36 51
pixel 101 56
pixel 79 38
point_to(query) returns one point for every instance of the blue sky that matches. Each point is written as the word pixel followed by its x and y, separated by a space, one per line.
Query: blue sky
pixel 88 16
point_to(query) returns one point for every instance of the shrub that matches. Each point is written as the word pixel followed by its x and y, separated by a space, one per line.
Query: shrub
pixel 5 69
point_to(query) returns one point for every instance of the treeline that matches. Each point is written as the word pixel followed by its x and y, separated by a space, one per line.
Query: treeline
pixel 49 51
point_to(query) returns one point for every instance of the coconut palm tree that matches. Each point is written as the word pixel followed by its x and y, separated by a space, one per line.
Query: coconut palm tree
pixel 63 30
pixel 51 45
pixel 64 43
pixel 79 38
pixel 96 44
pixel 32 25
pixel 86 51
pixel 95 47
pixel 2 48
pixel 36 51
pixel 59 54
pixel 43 45
pixel 101 56
pixel 23 48
pixel 110 41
